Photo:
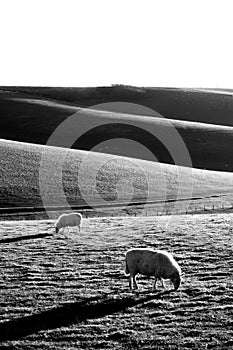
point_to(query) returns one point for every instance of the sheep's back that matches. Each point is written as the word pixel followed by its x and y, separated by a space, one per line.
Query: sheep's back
pixel 151 262
pixel 144 261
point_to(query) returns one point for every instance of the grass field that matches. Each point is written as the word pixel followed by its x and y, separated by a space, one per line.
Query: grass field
pixel 69 291
pixel 72 293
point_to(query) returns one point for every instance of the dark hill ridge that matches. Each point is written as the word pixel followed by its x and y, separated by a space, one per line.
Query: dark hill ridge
pixel 200 105
pixel 28 119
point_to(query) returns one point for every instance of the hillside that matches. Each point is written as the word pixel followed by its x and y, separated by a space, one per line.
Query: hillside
pixel 28 119
pixel 116 178
pixel 214 106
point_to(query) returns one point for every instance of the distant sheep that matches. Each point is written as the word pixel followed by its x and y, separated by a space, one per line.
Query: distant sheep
pixel 149 262
pixel 68 220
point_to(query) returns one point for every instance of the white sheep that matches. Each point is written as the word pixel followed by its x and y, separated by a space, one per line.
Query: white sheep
pixel 68 220
pixel 149 262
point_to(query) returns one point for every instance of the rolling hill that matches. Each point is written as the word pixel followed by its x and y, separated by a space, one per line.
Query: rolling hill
pixel 214 106
pixel 116 179
pixel 32 117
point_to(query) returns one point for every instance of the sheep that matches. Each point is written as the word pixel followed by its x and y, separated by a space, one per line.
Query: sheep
pixel 149 262
pixel 68 220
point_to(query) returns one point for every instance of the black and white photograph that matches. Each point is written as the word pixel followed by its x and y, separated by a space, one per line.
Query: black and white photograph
pixel 116 174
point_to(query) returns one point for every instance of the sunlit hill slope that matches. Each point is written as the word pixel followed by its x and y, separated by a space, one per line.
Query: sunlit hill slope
pixel 116 178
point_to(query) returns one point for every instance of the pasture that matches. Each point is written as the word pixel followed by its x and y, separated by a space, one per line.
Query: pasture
pixel 72 293
pixel 69 292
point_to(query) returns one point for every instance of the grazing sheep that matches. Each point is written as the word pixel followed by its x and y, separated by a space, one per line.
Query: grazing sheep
pixel 149 262
pixel 68 220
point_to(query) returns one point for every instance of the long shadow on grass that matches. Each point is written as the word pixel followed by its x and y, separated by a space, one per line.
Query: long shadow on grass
pixel 71 313
pixel 24 238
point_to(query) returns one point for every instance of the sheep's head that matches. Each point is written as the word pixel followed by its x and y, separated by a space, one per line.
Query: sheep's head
pixel 56 229
pixel 176 280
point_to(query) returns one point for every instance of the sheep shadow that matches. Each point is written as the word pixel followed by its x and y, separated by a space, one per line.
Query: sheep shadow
pixel 70 313
pixel 24 238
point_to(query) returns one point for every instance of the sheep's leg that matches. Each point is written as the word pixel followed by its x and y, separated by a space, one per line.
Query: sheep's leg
pixel 154 286
pixel 64 232
pixel 130 282
pixel 135 282
pixel 162 283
